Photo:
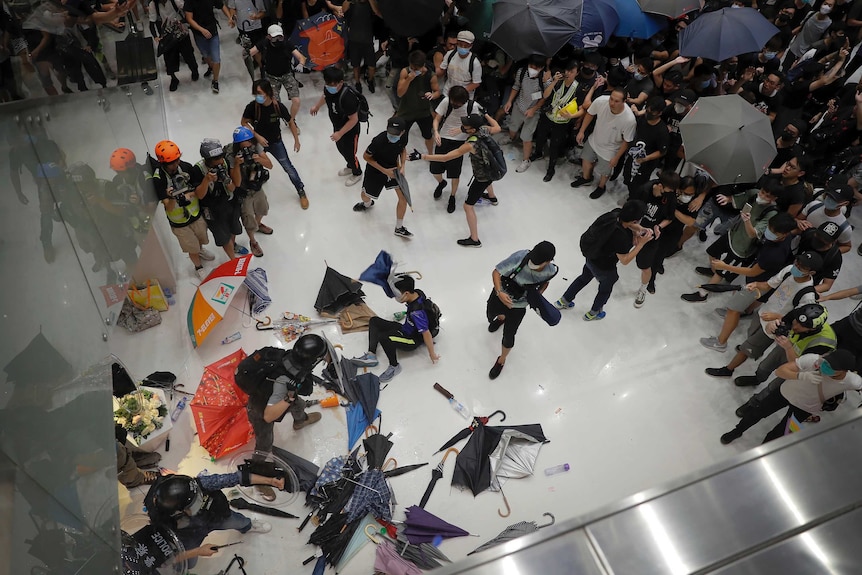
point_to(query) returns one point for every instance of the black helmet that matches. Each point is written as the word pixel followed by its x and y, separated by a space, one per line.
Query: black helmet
pixel 178 493
pixel 812 316
pixel 309 349
pixel 81 173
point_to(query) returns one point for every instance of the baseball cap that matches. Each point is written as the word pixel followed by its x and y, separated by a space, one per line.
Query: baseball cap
pixel 674 76
pixel 840 359
pixel 686 96
pixel 810 261
pixel 473 120
pixel 395 125
pixel 543 252
pixel 466 36
pixel 838 189
pixel 275 30
pixel 828 232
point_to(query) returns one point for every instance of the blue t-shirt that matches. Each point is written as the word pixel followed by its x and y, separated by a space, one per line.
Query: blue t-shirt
pixel 416 320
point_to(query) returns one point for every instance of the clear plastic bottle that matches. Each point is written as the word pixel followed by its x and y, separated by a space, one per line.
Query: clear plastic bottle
pixel 231 338
pixel 459 407
pixel 562 468
pixel 181 405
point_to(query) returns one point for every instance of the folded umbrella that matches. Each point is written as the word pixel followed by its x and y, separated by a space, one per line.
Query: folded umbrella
pixel 258 291
pixel 367 388
pixel 436 475
pixel 404 186
pixel 402 470
pixel 377 447
pixel 388 561
pixel 306 471
pixel 422 527
pixel 240 503
pixel 720 288
pixel 513 532
pixel 357 423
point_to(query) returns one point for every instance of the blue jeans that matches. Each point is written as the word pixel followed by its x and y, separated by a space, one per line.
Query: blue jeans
pixel 193 535
pixel 278 150
pixel 606 279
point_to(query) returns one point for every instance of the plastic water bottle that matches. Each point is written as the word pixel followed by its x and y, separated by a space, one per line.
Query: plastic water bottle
pixel 231 338
pixel 459 407
pixel 169 295
pixel 181 405
pixel 562 468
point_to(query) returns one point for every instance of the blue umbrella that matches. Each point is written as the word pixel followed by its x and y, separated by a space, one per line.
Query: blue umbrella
pixel 598 22
pixel 356 423
pixel 381 272
pixel 726 33
pixel 633 23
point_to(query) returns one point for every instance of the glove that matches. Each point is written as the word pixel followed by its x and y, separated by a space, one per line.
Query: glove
pixel 183 201
pixel 811 377
pixel 414 155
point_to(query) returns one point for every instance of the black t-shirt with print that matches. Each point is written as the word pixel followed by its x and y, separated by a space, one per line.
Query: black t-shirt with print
pixel 265 119
pixel 659 209
pixel 385 152
pixel 341 106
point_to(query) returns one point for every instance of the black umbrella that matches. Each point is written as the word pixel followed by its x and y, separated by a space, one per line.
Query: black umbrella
pixel 402 470
pixel 337 292
pixel 526 27
pixel 240 503
pixel 367 388
pixel 436 475
pixel 333 535
pixel 376 449
pixel 720 288
pixel 39 363
pixel 412 18
pixel 306 471
pixel 464 433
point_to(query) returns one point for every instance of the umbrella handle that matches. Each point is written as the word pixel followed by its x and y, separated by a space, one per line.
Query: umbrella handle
pixel 448 451
pixel 506 503
pixel 394 464
pixel 374 533
pixel 553 520
pixel 262 325
pixel 348 324
pixel 368 429
pixel 502 415
pixel 416 273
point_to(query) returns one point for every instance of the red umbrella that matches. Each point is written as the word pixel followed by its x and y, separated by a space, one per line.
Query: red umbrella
pixel 218 408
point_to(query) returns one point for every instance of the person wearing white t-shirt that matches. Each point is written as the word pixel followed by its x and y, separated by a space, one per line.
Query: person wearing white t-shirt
pixel 603 150
pixel 460 67
pixel 812 382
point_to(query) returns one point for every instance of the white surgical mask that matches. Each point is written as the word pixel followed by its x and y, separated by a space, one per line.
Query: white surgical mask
pixel 679 108
pixel 638 76
pixel 763 201
pixel 532 72
pixel 685 198
pixel 533 266
pixel 825 9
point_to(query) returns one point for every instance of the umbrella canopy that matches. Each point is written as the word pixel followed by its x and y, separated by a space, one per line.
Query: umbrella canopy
pixel 376 449
pixel 526 27
pixel 513 532
pixel 598 22
pixel 670 8
pixel 258 290
pixel 371 495
pixel 423 527
pixel 477 421
pixel 633 23
pixel 306 471
pixel 382 273
pixel 357 422
pixel 337 292
pixel 367 388
pixel 218 408
pixel 356 543
pixel 404 186
pixel 473 466
pixel 412 18
pixel 388 561
pixel 724 33
pixel 321 39
pixel 728 138
pixel 213 297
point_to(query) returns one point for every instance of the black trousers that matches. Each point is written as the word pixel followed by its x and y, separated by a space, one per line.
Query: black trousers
pixel 555 134
pixel 185 49
pixel 849 339
pixel 347 148
pixel 389 335
pixel 764 404
pixel 514 316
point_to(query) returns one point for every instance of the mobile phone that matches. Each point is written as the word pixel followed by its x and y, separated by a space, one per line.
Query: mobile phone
pixel 746 209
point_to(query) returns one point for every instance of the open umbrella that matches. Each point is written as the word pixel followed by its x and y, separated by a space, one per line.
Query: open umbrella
pixel 436 475
pixel 464 433
pixel 598 22
pixel 480 14
pixel 526 27
pixel 382 273
pixel 337 292
pixel 371 495
pixel 306 471
pixel 513 532
pixel 321 39
pixel 387 560
pixel 423 527
pixel 412 18
pixel 258 291
pixel 218 408
pixel 728 138
pixel 634 23
pixel 670 8
pixel 213 297
pixel 725 33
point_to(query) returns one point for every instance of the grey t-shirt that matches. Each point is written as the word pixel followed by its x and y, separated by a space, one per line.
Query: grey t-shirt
pixel 526 276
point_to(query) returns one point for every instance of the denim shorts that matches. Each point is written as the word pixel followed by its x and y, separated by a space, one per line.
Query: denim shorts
pixel 209 49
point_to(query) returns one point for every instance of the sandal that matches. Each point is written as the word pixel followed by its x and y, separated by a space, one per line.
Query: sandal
pixel 812 419
pixel 264 229
pixel 255 249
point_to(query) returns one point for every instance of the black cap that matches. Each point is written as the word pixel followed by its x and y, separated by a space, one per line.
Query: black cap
pixel 838 189
pixel 828 232
pixel 395 126
pixel 405 283
pixel 473 120
pixel 686 96
pixel 840 359
pixel 810 261
pixel 674 76
pixel 543 252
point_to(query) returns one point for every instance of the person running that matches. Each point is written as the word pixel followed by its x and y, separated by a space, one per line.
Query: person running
pixel 343 106
pixel 386 154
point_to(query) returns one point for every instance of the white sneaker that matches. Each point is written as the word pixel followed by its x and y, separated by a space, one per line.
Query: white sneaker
pixel 640 298
pixel 345 172
pixel 258 526
pixel 352 180
pixel 523 166
pixel 206 255
pixel 201 273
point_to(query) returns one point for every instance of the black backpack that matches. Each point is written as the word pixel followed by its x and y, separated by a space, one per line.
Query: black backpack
pixel 449 109
pixel 597 235
pixel 364 111
pixel 492 151
pixel 262 366
pixel 434 314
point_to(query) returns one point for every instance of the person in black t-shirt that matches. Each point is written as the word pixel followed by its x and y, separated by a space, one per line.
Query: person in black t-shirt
pixel 277 54
pixel 624 242
pixel 343 107
pixel 649 146
pixel 263 117
pixel 386 153
pixel 659 196
pixel 360 16
pixel 202 21
pixel 220 205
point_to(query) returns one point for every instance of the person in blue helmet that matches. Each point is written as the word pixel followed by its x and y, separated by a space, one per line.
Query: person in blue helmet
pixel 249 171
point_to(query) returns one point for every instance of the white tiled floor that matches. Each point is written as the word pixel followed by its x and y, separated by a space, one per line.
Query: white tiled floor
pixel 624 401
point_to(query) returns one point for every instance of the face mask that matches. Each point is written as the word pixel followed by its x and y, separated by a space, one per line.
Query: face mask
pixel 277 41
pixel 769 235
pixel 332 89
pixel 684 198
pixel 705 84
pixel 763 201
pixel 830 204
pixel 392 138
pixel 770 55
pixel 464 129
pixel 533 266
pixel 797 273
pixel 417 72
pixel 260 99
pixel 463 51
pixel 825 10
pixel 638 76
pixel 787 136
pixel 826 369
pixel 532 72
pixel 679 108
pixel 588 72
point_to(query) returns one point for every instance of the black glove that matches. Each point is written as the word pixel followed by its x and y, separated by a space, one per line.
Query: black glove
pixel 414 155
pixel 183 201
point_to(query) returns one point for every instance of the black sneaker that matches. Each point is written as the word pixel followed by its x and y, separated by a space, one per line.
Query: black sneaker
pixel 208 73
pixel 693 297
pixel 549 175
pixel 495 325
pixel 597 193
pixel 450 207
pixel 402 232
pixel 701 235
pixel 730 436
pixel 438 191
pixel 704 271
pixel 746 381
pixel 495 371
pixel 581 181
pixel 470 243
pixel 361 207
pixel 175 83
pixel 370 84
pixel 358 86
pixel 215 87
pixel 718 371
pixel 493 201
pixel 195 75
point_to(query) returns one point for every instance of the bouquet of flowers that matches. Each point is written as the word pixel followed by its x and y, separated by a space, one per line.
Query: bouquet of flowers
pixel 141 413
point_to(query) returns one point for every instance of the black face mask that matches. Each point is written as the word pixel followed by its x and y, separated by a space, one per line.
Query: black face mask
pixel 276 42
pixel 588 72
pixel 464 129
pixel 787 136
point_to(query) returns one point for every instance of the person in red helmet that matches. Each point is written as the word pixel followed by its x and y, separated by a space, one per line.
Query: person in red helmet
pixel 132 184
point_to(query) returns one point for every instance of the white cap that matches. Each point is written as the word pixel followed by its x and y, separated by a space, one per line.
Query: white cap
pixel 275 30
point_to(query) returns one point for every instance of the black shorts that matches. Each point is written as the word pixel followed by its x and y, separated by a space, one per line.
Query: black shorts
pixel 647 256
pixel 474 192
pixel 374 182
pixel 452 167
pixel 224 222
pixel 426 126
pixel 361 53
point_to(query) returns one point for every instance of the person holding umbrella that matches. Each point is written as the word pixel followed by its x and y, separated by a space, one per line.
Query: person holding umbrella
pixel 507 304
pixel 386 154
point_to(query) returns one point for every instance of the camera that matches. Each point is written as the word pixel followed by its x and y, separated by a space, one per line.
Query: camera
pixel 220 172
pixel 246 153
pixel 781 331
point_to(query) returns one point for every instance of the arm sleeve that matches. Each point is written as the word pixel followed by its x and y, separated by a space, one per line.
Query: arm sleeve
pixel 477 70
pixel 279 390
pixel 445 63
pixel 219 481
pixel 442 107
